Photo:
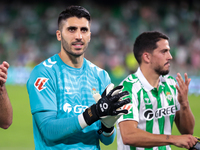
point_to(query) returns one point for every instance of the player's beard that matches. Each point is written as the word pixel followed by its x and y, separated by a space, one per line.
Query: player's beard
pixel 160 71
pixel 68 50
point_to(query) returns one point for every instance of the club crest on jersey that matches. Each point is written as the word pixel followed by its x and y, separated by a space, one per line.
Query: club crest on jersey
pixel 94 91
pixel 40 82
pixel 168 96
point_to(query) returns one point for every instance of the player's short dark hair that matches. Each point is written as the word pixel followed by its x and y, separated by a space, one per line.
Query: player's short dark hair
pixel 146 42
pixel 73 11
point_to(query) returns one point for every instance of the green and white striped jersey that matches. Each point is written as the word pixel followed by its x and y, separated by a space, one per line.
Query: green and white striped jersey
pixel 154 109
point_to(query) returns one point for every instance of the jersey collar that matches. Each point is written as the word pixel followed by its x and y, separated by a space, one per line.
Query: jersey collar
pixel 75 71
pixel 144 82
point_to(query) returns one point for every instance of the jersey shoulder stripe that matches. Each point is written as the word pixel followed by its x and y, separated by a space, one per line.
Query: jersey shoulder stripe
pixel 44 69
pixel 169 79
pixel 132 84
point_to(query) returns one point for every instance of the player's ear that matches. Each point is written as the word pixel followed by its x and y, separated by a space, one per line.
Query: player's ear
pixel 58 34
pixel 90 37
pixel 146 57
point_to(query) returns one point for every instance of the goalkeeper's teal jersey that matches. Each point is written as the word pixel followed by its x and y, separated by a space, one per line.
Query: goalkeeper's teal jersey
pixel 55 86
pixel 154 109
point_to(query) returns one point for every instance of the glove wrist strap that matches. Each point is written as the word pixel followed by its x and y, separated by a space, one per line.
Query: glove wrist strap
pixel 90 116
pixel 108 134
pixel 81 121
pixel 106 131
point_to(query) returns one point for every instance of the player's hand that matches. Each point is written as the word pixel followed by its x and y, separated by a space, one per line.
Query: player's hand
pixel 3 73
pixel 109 102
pixel 109 121
pixel 184 141
pixel 107 105
pixel 183 89
pixel 197 145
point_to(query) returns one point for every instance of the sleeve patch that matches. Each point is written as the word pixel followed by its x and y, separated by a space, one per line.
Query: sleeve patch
pixel 40 82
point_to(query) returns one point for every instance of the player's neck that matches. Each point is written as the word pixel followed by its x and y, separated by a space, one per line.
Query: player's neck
pixel 75 62
pixel 150 76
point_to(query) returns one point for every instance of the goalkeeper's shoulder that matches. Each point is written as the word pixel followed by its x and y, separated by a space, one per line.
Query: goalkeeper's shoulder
pixel 94 68
pixel 98 72
pixel 42 71
pixel 45 67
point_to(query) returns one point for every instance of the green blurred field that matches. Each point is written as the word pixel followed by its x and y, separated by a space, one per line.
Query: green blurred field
pixel 20 135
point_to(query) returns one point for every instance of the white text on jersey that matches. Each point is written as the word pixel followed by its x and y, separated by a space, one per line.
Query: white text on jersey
pixel 77 109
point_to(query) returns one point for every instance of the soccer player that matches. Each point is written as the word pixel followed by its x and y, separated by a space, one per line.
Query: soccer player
pixel 156 100
pixel 6 111
pixel 61 88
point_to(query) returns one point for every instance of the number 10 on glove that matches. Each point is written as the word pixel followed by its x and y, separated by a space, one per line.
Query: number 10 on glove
pixel 109 121
pixel 107 105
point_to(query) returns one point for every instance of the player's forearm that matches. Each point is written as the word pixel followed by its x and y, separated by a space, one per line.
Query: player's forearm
pixel 6 112
pixel 145 139
pixel 54 129
pixel 187 121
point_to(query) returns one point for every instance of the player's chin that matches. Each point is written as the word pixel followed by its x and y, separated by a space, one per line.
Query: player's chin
pixel 78 53
pixel 165 72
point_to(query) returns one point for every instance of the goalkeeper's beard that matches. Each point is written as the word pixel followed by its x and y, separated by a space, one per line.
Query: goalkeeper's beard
pixel 69 50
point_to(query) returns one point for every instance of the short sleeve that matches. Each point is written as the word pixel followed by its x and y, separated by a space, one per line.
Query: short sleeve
pixel 133 106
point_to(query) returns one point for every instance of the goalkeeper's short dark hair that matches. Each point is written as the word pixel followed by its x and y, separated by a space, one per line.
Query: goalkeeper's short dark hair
pixel 146 42
pixel 73 11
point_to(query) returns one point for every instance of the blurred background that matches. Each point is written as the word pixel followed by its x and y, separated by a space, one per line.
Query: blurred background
pixel 27 37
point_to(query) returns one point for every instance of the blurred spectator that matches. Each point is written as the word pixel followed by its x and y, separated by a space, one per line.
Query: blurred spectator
pixel 27 31
pixel 195 45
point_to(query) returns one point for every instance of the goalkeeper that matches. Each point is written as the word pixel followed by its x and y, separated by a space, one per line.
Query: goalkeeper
pixel 65 114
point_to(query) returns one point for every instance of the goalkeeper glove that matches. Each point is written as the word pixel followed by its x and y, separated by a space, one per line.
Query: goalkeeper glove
pixel 109 121
pixel 107 105
pixel 197 145
pixel 106 131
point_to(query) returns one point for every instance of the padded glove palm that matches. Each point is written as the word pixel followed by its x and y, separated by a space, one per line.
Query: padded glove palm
pixel 106 106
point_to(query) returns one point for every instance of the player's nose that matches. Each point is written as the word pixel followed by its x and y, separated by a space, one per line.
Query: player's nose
pixel 79 35
pixel 170 56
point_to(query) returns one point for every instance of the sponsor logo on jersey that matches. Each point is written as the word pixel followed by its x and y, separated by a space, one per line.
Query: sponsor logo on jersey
pixel 147 101
pixel 67 107
pixel 149 114
pixel 40 82
pixel 49 63
pixel 76 109
pixel 67 90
